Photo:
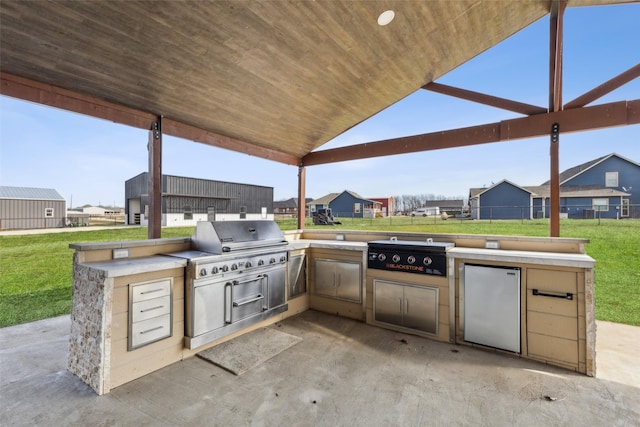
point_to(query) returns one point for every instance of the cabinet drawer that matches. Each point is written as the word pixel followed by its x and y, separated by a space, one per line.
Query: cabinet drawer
pixel 149 291
pixel 150 308
pixel 150 330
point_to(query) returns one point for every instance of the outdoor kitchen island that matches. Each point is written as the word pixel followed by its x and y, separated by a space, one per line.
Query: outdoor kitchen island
pixel 555 305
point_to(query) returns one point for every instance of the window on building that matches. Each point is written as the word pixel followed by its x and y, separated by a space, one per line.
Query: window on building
pixel 611 179
pixel 601 205
pixel 356 208
pixel 48 212
pixel 243 212
pixel 263 213
pixel 188 212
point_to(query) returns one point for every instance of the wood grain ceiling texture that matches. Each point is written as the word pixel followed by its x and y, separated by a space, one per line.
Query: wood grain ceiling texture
pixel 283 75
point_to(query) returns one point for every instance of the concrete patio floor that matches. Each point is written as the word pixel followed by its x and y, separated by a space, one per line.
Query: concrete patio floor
pixel 343 373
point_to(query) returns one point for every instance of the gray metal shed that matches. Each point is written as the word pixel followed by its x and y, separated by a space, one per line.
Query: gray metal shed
pixel 28 208
pixel 188 200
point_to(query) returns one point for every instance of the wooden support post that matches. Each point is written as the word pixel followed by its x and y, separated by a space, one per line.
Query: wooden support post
pixel 154 226
pixel 302 206
pixel 555 105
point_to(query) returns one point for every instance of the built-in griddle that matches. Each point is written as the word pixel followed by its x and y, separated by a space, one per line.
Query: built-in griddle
pixel 408 256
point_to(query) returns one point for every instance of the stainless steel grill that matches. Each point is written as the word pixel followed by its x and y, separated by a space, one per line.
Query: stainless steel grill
pixel 236 276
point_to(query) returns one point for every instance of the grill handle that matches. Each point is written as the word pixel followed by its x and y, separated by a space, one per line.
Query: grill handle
pixel 568 295
pixel 258 277
pixel 248 301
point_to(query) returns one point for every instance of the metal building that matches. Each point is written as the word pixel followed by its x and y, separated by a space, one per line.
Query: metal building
pixel 27 207
pixel 185 201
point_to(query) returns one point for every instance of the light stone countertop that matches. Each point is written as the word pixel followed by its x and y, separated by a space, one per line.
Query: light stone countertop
pixel 525 257
pixel 129 266
pixel 328 244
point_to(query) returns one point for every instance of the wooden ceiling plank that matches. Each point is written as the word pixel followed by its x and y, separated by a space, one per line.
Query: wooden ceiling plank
pixel 492 101
pixel 606 87
pixel 619 113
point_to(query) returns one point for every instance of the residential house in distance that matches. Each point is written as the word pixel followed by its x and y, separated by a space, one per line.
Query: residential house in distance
pixel 450 206
pixel 288 208
pixel 31 208
pixel 387 205
pixel 346 205
pixel 606 187
pixel 185 201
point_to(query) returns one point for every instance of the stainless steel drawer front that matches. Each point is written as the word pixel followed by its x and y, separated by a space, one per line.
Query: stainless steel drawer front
pixel 151 290
pixel 151 308
pixel 151 330
pixel 150 312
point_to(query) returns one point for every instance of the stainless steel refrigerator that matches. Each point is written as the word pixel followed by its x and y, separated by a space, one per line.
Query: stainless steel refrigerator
pixel 490 302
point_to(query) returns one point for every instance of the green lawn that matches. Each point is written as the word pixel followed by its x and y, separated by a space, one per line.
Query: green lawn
pixel 36 270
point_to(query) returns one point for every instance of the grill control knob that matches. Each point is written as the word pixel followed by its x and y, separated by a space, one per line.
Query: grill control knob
pixel 411 259
pixel 427 261
pixel 234 266
pixel 272 261
pixel 247 264
pixel 214 270
pixel 261 262
pixel 382 257
pixel 396 258
pixel 203 272
pixel 283 258
pixel 225 268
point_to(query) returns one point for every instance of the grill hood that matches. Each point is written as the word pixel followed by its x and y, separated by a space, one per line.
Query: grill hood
pixel 219 237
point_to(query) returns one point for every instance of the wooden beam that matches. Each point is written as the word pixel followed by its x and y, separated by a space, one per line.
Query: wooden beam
pixel 154 226
pixel 192 133
pixel 619 113
pixel 302 198
pixel 481 98
pixel 606 87
pixel 555 105
pixel 52 96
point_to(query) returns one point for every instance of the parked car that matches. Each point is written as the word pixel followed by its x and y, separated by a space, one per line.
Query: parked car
pixel 426 211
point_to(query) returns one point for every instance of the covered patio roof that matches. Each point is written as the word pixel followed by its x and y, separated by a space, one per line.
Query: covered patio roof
pixel 279 79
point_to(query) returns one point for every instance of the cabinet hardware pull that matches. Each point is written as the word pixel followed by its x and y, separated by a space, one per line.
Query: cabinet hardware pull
pixel 151 330
pixel 151 308
pixel 568 295
pixel 151 291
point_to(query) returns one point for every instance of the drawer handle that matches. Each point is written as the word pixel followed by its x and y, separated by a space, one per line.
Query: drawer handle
pixel 151 330
pixel 151 308
pixel 151 291
pixel 568 295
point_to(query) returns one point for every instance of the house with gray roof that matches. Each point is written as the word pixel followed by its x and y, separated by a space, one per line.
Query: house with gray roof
pixel 346 205
pixel 288 208
pixel 606 187
pixel 31 208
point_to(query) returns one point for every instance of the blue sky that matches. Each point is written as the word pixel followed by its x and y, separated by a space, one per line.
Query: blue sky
pixel 88 160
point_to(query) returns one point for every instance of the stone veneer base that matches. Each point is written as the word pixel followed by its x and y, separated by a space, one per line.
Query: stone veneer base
pixel 90 336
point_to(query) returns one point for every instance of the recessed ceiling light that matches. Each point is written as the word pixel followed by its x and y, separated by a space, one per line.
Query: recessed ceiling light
pixel 386 17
